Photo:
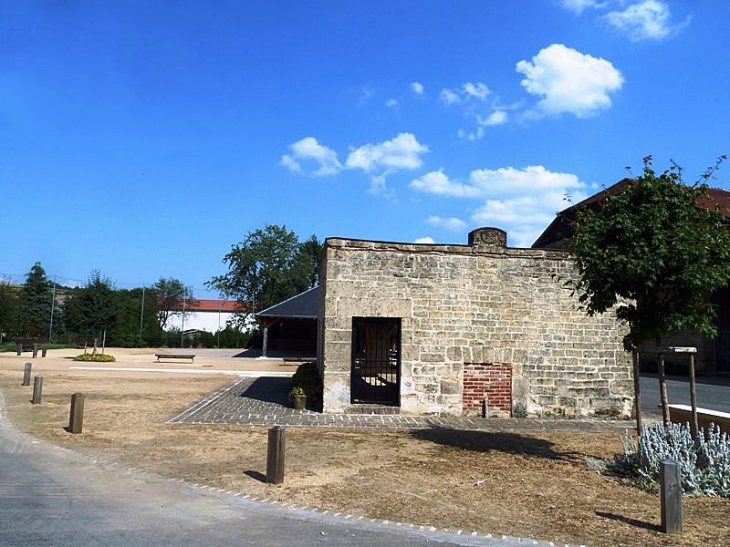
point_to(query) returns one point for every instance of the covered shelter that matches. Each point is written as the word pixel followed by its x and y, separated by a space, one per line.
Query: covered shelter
pixel 290 328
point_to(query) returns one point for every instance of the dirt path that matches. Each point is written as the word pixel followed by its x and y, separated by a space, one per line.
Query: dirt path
pixel 518 484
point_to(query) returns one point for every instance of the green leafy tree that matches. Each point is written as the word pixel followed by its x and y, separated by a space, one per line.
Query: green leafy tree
pixel 267 267
pixel 307 261
pixel 171 295
pixel 652 249
pixel 92 310
pixel 34 313
pixel 135 326
pixel 9 306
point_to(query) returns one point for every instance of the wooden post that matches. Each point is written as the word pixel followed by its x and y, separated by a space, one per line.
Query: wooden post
pixel 26 374
pixel 637 392
pixel 76 421
pixel 44 350
pixel 671 497
pixel 35 350
pixel 275 456
pixel 693 395
pixel 663 389
pixel 37 390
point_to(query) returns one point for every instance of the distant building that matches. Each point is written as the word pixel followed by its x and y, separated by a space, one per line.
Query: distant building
pixel 203 315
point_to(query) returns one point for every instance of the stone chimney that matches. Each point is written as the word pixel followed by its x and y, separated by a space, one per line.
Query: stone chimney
pixel 483 238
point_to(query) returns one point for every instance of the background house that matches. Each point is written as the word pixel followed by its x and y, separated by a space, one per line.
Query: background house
pixel 713 355
pixel 203 315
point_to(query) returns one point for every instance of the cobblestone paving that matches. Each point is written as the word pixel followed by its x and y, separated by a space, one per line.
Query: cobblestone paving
pixel 263 402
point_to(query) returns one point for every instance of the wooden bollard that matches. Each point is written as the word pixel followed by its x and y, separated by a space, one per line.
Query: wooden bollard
pixel 275 455
pixel 76 420
pixel 26 374
pixel 37 390
pixel 44 350
pixel 671 497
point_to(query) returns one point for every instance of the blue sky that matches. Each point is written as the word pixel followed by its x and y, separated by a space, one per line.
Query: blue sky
pixel 143 139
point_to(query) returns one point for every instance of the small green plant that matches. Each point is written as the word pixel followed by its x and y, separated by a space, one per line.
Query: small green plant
pixel 296 391
pixel 307 379
pixel 704 461
pixel 95 358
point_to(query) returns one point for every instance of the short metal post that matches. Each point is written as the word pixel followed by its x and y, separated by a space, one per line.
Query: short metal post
pixel 26 374
pixel 19 348
pixel 671 497
pixel 76 420
pixel 275 455
pixel 44 351
pixel 37 390
pixel 35 350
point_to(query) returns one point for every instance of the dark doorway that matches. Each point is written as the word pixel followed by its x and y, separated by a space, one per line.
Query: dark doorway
pixel 375 361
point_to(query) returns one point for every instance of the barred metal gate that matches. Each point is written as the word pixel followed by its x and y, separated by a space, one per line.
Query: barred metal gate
pixel 375 377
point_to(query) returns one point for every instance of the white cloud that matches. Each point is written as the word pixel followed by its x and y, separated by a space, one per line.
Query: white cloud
pixel 485 183
pixel 522 201
pixel 449 96
pixel 392 103
pixel 309 150
pixel 401 152
pixel 645 20
pixel 469 90
pixel 417 88
pixel 437 182
pixel 477 91
pixel 569 81
pixel 428 240
pixel 381 160
pixel 471 135
pixel 453 224
pixel 577 6
pixel 498 117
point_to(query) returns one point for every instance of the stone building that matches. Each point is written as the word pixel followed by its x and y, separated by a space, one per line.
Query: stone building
pixel 421 329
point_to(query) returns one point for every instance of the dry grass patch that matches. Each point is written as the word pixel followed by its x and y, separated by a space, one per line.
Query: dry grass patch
pixel 529 485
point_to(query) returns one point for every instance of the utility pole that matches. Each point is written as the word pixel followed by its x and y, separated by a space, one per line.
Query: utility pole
pixel 141 314
pixel 53 305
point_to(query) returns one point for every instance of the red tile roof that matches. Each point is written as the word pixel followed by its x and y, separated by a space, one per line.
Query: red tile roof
pixel 205 305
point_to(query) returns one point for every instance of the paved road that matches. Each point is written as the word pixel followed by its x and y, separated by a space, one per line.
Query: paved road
pixel 52 496
pixel 714 396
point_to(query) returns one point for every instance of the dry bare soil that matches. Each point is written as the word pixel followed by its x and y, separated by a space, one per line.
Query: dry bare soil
pixel 526 485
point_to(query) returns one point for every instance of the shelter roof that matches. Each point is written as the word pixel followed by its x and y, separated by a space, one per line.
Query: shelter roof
pixel 304 305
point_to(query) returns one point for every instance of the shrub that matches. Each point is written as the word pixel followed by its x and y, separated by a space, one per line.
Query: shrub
pixel 95 358
pixel 704 461
pixel 307 378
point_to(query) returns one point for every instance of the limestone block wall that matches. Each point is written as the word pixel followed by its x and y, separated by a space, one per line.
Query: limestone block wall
pixel 477 303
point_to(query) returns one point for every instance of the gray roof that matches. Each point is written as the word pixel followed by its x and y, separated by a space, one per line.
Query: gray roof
pixel 305 305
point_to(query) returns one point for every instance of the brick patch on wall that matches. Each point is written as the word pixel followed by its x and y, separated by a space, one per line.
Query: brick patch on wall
pixel 492 380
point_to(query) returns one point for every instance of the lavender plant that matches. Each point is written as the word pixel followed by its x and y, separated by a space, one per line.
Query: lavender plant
pixel 704 461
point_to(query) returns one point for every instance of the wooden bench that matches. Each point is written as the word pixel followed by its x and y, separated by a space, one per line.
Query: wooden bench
pixel 682 414
pixel 24 344
pixel 190 356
